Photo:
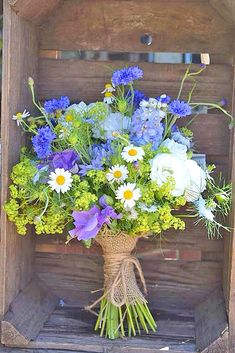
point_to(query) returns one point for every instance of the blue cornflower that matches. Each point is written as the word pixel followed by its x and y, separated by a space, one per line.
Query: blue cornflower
pixel 179 108
pixel 42 142
pixel 52 105
pixel 126 75
pixel 63 102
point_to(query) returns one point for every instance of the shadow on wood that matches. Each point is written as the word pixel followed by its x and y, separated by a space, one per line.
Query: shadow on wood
pixel 27 314
pixel 211 324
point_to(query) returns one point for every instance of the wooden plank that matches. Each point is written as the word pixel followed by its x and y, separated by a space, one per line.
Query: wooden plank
pixel 229 249
pixel 170 283
pixel 91 348
pixel 101 25
pixel 84 80
pixel 219 346
pixel 72 328
pixel 27 314
pixel 211 134
pixel 211 321
pixel 16 253
pixel 35 350
pixel 34 11
pixel 225 8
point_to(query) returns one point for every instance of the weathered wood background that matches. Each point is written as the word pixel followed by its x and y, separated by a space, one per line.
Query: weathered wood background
pixel 182 268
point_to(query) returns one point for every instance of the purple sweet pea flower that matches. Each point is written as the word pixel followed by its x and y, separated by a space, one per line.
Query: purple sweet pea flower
pixel 88 223
pixel 108 212
pixel 65 159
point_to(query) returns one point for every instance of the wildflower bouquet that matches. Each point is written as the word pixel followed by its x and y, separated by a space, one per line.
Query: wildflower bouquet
pixel 111 172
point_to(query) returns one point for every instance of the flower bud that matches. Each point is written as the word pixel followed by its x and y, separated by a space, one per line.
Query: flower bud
pixel 30 81
pixel 136 165
pixel 122 106
pixel 109 200
pixel 221 197
pixel 73 139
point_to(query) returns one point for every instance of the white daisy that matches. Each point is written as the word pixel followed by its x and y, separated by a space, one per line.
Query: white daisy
pixel 108 98
pixel 132 153
pixel 20 116
pixel 60 180
pixel 117 173
pixel 108 94
pixel 108 88
pixel 128 194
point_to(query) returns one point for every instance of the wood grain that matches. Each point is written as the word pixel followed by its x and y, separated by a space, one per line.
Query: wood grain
pixel 72 328
pixel 101 25
pixel 173 284
pixel 34 11
pixel 229 249
pixel 84 80
pixel 170 267
pixel 211 321
pixel 226 9
pixel 16 253
pixel 27 314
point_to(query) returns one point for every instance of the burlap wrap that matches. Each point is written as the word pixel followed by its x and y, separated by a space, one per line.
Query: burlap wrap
pixel 120 286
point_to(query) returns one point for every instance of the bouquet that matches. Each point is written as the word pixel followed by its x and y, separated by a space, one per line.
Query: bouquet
pixel 111 172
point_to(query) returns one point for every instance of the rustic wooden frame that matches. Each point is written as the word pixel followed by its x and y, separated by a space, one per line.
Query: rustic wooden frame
pixel 17 254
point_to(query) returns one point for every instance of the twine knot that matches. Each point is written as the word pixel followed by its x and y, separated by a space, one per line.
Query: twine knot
pixel 120 286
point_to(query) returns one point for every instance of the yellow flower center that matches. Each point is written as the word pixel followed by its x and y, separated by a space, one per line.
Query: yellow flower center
pixel 19 115
pixel 132 152
pixel 108 85
pixel 69 117
pixel 117 174
pixel 60 180
pixel 128 194
pixel 108 94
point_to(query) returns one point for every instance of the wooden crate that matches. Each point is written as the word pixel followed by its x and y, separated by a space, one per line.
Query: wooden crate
pixel 43 283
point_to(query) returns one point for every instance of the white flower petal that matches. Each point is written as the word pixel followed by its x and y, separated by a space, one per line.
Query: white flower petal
pixel 177 149
pixel 58 186
pixel 132 153
pixel 165 166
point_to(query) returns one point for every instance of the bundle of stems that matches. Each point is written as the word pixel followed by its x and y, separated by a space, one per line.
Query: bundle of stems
pixel 127 320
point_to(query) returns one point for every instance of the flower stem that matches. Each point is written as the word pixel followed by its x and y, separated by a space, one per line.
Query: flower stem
pixel 113 320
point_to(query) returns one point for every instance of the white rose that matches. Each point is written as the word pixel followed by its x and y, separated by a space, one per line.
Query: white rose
pixel 197 183
pixel 166 165
pixel 176 148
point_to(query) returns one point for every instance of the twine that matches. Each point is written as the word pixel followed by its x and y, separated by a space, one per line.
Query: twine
pixel 120 286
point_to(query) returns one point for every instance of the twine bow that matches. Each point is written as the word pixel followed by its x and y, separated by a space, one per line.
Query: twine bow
pixel 122 279
pixel 122 288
